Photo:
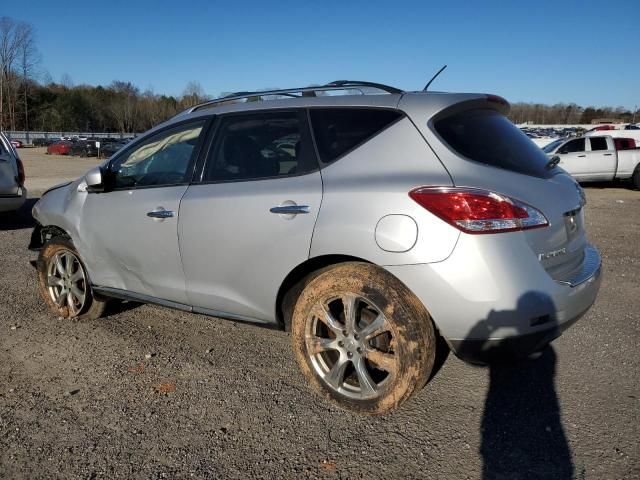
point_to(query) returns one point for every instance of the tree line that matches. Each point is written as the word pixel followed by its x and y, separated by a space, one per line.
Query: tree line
pixel 31 101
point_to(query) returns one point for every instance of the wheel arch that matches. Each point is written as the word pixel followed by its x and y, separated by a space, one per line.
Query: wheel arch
pixel 294 283
pixel 41 234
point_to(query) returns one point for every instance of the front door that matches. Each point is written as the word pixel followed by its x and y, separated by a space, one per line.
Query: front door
pixel 250 220
pixel 573 158
pixel 130 233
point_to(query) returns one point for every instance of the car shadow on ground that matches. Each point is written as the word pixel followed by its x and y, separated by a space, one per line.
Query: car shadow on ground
pixel 522 435
pixel 19 219
pixel 612 184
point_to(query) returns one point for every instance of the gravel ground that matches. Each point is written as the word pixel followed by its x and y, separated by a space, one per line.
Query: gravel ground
pixel 154 393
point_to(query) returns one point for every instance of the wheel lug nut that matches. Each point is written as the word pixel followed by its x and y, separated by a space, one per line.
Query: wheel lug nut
pixel 359 350
pixel 344 332
pixel 356 336
pixel 341 343
pixel 349 354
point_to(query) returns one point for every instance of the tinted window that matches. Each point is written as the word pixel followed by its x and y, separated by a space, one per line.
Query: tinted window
pixel 488 137
pixel 576 145
pixel 552 146
pixel 262 145
pixel 341 129
pixel 598 143
pixel 162 159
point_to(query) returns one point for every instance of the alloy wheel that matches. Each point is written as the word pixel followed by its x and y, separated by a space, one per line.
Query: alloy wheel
pixel 350 345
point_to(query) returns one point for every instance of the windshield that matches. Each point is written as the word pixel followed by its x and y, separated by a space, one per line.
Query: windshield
pixel 553 145
pixel 488 137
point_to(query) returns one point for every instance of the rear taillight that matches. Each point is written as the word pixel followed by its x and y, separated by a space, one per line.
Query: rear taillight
pixel 477 211
pixel 21 175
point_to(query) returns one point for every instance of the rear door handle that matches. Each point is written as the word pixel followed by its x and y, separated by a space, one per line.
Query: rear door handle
pixel 580 156
pixel 608 154
pixel 290 209
pixel 160 213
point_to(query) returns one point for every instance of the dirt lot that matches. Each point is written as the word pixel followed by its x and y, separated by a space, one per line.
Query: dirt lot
pixel 223 399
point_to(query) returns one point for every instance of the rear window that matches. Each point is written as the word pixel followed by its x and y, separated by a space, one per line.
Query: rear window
pixel 598 143
pixel 340 130
pixel 488 137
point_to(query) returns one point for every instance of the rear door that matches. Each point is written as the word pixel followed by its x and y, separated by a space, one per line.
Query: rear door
pixel 249 221
pixel 600 163
pixel 8 168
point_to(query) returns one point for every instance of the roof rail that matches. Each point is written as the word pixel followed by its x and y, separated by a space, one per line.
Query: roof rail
pixel 295 93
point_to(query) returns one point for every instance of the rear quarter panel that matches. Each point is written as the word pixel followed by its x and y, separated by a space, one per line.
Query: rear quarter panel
pixel 628 160
pixel 372 182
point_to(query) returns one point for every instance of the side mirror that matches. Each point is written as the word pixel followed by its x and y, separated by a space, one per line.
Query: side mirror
pixel 94 180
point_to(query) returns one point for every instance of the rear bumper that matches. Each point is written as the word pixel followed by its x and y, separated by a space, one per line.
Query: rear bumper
pixel 487 303
pixel 10 203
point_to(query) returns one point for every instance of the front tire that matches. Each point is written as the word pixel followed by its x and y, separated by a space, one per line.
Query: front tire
pixel 64 282
pixel 362 338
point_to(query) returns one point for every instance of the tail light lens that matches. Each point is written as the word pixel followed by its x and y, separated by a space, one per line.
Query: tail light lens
pixel 21 175
pixel 478 211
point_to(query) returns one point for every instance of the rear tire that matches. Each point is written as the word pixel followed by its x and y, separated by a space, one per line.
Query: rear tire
pixel 636 177
pixel 362 338
pixel 64 282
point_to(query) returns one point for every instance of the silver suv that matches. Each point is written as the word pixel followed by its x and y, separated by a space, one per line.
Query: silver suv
pixel 13 194
pixel 368 223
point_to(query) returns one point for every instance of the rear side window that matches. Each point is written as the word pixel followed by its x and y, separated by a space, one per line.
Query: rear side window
pixel 598 143
pixel 261 145
pixel 340 130
pixel 488 137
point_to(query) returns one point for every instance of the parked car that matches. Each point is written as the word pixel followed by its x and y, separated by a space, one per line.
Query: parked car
pixel 396 217
pixel 62 147
pixel 44 142
pixel 600 158
pixel 84 148
pixel 12 191
pixel 109 149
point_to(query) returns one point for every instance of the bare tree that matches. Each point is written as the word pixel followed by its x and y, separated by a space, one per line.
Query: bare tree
pixel 192 94
pixel 8 53
pixel 28 59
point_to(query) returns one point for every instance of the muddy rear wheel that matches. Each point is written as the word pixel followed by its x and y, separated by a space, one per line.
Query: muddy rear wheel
pixel 362 339
pixel 64 282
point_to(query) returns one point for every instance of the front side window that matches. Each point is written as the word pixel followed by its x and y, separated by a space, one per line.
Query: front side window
pixel 163 159
pixel 260 145
pixel 576 145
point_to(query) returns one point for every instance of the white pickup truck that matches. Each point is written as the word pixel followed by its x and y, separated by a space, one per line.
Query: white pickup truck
pixel 596 158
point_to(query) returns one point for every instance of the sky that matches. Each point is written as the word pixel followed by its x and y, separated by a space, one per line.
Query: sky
pixel 586 52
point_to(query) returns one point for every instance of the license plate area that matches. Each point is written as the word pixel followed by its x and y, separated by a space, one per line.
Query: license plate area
pixel 573 222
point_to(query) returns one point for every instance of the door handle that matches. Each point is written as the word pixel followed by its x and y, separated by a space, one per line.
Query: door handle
pixel 290 209
pixel 608 154
pixel 160 213
pixel 580 156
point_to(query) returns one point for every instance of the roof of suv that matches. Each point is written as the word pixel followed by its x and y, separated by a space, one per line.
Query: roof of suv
pixel 343 93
